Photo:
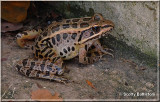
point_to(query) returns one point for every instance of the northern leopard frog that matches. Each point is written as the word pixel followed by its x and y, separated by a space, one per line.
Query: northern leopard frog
pixel 63 40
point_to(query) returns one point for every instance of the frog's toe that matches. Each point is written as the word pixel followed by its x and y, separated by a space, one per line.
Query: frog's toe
pixel 60 79
pixel 108 49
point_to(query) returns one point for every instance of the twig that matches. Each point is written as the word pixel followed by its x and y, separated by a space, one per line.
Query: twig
pixel 6 91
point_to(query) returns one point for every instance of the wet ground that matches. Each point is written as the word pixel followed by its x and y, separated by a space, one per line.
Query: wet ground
pixel 113 78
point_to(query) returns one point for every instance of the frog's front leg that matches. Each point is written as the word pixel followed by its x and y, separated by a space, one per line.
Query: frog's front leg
pixel 97 47
pixel 87 57
pixel 39 68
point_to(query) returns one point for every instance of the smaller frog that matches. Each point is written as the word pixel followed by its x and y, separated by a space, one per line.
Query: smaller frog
pixel 63 40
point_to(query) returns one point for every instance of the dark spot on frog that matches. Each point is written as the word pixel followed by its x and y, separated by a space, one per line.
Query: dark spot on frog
pixel 53 41
pixel 51 54
pixel 93 47
pixel 83 25
pixel 37 45
pixel 28 72
pixel 67 21
pixel 96 29
pixel 49 44
pixel 74 35
pixel 40 38
pixel 32 47
pixel 65 50
pixel 18 67
pixel 40 56
pixel 73 48
pixel 86 19
pixel 88 60
pixel 55 28
pixel 38 72
pixel 44 49
pixel 65 35
pixel 68 48
pixel 46 55
pixel 91 33
pixel 47 73
pixel 32 65
pixel 75 20
pixel 96 53
pixel 86 47
pixel 37 51
pixel 88 54
pixel 42 67
pixel 44 34
pixel 58 37
pixel 54 59
pixel 67 40
pixel 74 25
pixel 61 53
pixel 80 37
pixel 65 26
pixel 24 62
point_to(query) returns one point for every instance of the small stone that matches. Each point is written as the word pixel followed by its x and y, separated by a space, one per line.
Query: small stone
pixel 107 70
pixel 150 85
pixel 144 89
pixel 114 72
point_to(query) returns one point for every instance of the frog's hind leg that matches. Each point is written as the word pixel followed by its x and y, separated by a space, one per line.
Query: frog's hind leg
pixel 24 37
pixel 39 68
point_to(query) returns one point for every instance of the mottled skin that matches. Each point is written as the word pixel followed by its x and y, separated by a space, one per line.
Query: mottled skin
pixel 63 40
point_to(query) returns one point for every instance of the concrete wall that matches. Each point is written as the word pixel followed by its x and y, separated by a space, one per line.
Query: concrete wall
pixel 136 23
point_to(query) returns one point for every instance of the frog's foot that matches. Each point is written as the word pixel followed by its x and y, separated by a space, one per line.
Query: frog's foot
pixel 39 68
pixel 90 57
pixel 97 47
pixel 24 37
pixel 105 51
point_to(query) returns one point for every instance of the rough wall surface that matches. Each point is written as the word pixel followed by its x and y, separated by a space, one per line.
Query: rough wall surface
pixel 136 23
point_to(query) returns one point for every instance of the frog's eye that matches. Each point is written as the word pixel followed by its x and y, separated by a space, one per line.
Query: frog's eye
pixel 96 29
pixel 97 17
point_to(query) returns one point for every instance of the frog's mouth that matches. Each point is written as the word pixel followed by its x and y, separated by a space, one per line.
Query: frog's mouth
pixel 103 32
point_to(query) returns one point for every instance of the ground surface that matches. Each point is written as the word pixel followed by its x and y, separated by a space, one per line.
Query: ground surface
pixel 114 78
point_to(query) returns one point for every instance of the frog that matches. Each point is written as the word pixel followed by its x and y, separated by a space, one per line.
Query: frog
pixel 63 40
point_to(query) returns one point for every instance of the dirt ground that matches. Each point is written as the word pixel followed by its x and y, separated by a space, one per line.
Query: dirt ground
pixel 113 78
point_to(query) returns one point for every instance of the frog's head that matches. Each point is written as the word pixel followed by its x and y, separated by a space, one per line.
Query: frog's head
pixel 101 26
pixel 98 27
